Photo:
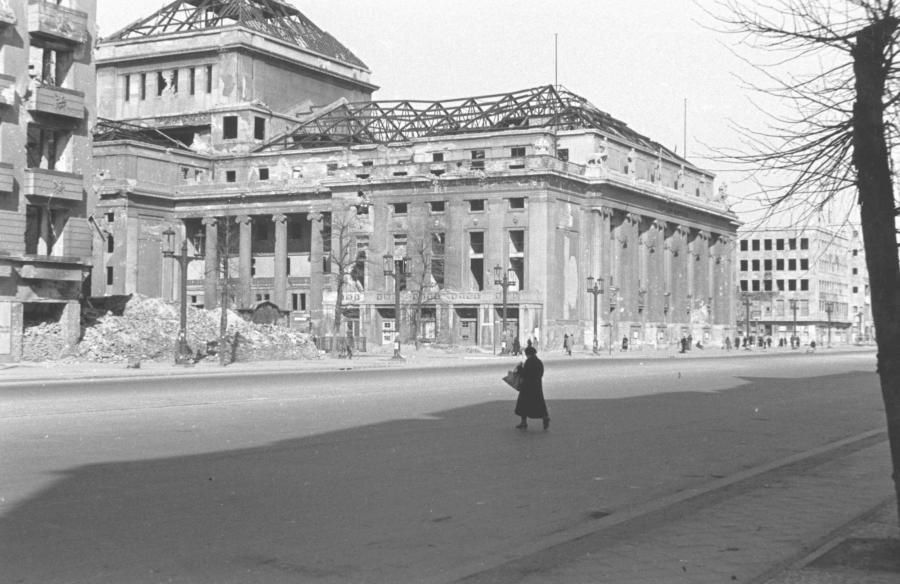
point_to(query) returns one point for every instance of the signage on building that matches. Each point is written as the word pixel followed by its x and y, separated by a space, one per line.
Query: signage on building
pixel 5 328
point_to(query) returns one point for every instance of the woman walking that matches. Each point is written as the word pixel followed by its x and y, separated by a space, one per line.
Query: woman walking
pixel 531 402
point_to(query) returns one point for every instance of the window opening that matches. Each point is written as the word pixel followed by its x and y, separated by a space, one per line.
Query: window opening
pixel 230 127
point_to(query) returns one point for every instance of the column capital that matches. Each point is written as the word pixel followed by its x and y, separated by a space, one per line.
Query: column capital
pixel 315 216
pixel 631 217
pixel 209 221
pixel 243 219
pixel 279 218
pixel 602 210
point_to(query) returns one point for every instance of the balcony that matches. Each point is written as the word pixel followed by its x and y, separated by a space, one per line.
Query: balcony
pixel 7 90
pixel 7 177
pixel 49 21
pixel 58 101
pixel 53 184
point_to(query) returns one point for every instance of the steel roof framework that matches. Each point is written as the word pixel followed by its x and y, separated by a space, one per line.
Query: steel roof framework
pixel 385 122
pixel 271 17
pixel 110 130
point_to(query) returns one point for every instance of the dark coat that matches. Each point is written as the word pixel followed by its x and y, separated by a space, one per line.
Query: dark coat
pixel 531 402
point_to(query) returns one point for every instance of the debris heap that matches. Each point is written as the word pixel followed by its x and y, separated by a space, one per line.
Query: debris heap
pixel 147 330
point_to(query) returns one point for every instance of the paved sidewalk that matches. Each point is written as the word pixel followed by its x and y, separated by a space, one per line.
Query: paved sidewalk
pixel 771 526
pixel 67 370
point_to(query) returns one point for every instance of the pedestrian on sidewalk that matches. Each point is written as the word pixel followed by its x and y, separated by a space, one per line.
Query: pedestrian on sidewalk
pixel 517 347
pixel 531 403
pixel 567 344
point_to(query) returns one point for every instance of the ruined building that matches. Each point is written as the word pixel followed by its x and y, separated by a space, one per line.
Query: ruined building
pixel 251 133
pixel 46 111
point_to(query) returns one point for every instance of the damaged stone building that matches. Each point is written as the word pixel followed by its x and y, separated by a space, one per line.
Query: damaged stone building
pixel 47 104
pixel 252 135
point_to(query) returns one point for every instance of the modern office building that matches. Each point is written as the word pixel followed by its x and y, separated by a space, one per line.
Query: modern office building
pixel 241 128
pixel 47 104
pixel 811 280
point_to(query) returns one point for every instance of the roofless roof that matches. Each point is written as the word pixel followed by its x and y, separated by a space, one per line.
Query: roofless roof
pixel 384 122
pixel 271 17
pixel 110 130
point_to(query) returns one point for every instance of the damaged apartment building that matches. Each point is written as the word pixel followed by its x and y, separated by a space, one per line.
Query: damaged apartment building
pixel 47 105
pixel 245 131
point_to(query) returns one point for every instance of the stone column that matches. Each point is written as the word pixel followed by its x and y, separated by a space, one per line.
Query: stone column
pixel 316 276
pixel 211 264
pixel 245 258
pixel 281 259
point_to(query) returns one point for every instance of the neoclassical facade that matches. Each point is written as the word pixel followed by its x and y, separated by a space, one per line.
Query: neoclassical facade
pixel 349 202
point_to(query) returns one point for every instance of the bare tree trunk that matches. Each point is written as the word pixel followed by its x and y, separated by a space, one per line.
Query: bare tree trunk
pixel 877 212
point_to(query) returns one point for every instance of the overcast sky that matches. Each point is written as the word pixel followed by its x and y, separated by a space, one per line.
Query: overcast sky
pixel 638 60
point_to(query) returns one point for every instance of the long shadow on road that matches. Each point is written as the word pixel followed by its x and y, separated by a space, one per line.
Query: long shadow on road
pixel 410 500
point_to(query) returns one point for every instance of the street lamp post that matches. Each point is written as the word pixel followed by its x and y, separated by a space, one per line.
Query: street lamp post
pixel 183 355
pixel 747 304
pixel 396 268
pixel 829 308
pixel 612 308
pixel 504 278
pixel 793 302
pixel 595 288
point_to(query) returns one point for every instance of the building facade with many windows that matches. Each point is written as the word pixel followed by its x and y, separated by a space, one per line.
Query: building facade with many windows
pixel 810 280
pixel 46 111
pixel 463 215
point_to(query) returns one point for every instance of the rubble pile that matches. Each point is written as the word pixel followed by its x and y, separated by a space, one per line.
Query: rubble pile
pixel 147 330
pixel 44 341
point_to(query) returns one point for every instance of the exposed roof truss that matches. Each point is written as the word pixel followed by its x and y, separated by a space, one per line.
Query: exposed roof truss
pixel 271 17
pixel 385 122
pixel 110 130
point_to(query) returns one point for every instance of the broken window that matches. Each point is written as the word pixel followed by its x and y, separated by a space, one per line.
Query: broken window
pixel 517 256
pixel 259 128
pixel 563 154
pixel 358 270
pixel 400 208
pixel 477 159
pixel 476 259
pixel 49 66
pixel 44 227
pixel 229 127
pixel 44 147
pixel 437 259
pixel 517 203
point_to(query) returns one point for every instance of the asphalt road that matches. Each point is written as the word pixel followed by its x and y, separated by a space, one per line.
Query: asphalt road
pixel 384 476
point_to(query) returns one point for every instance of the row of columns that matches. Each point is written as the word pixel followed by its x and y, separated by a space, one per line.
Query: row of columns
pixel 213 270
pixel 646 258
